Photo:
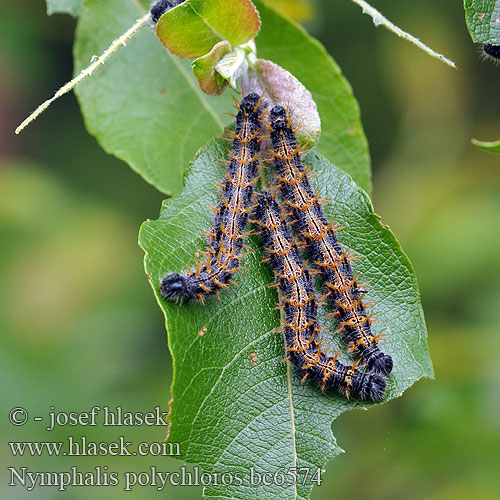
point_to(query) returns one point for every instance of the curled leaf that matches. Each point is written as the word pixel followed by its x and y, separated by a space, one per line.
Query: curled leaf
pixel 210 81
pixel 235 64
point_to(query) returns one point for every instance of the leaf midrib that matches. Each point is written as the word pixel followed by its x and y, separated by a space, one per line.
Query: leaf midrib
pixel 292 422
pixel 289 396
pixel 210 27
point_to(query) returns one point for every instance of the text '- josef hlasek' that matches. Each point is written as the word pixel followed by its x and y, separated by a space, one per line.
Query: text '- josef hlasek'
pixel 97 415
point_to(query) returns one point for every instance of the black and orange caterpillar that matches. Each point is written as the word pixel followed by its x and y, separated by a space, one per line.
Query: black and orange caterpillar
pixel 225 239
pixel 343 289
pixel 300 325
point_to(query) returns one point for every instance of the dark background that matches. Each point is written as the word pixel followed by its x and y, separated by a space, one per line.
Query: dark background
pixel 79 323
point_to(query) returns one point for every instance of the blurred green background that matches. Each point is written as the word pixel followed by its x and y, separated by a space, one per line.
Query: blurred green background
pixel 78 320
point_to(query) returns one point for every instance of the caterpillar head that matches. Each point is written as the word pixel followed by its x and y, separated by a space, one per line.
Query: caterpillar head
pixel 373 387
pixel 177 287
pixel 492 52
pixel 382 364
pixel 251 105
pixel 279 119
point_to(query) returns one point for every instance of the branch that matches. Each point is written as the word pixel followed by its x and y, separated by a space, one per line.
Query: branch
pixel 86 72
pixel 379 19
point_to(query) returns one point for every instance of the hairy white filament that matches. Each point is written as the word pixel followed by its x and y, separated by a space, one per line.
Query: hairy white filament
pixel 87 71
pixel 379 19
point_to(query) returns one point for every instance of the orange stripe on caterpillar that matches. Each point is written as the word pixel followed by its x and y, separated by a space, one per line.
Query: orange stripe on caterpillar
pixel 343 290
pixel 225 239
pixel 300 325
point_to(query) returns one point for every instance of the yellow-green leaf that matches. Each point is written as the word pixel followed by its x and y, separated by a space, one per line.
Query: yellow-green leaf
pixel 192 28
pixel 493 146
pixel 204 69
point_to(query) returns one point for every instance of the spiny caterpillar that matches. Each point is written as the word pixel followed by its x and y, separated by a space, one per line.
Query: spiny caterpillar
pixel 344 291
pixel 492 52
pixel 225 240
pixel 300 325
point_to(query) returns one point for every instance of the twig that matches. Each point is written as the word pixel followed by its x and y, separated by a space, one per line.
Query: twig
pixel 87 71
pixel 379 19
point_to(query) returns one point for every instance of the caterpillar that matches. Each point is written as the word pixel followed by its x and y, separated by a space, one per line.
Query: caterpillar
pixel 492 52
pixel 300 325
pixel 344 291
pixel 225 240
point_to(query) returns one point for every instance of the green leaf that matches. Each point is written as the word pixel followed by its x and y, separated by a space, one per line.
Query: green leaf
pixel 145 106
pixel 72 7
pixel 193 28
pixel 298 10
pixel 235 406
pixel 483 20
pixel 493 147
